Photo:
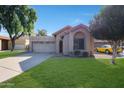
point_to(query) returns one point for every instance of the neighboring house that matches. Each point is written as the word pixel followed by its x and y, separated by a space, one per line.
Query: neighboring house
pixel 64 41
pixel 21 44
pixel 98 43
pixel 4 42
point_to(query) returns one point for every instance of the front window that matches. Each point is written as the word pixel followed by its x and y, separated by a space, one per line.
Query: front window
pixel 79 41
pixel 79 44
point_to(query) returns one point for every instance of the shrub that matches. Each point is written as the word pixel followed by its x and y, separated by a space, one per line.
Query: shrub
pixel 77 52
pixel 85 54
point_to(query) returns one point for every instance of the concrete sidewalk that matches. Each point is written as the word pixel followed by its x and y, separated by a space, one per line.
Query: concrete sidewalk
pixel 107 56
pixel 13 66
pixel 102 55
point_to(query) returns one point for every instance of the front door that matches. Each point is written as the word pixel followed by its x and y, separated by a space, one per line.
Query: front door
pixel 60 46
pixel 4 44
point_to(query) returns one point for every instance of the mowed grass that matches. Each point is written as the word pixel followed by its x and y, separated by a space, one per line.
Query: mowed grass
pixel 8 53
pixel 62 72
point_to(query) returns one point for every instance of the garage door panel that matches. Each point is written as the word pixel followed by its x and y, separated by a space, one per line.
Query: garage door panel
pixel 44 47
pixel 19 47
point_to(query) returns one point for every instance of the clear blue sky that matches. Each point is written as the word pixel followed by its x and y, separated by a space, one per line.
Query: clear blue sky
pixel 53 18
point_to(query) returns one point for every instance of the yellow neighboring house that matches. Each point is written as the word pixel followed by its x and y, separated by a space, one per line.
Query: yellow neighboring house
pixel 21 44
pixel 107 49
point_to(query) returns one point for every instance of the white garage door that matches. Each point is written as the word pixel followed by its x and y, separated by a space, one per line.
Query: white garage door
pixel 45 47
pixel 17 46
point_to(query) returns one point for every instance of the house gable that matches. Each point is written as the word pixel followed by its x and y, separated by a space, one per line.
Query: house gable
pixel 65 29
pixel 80 27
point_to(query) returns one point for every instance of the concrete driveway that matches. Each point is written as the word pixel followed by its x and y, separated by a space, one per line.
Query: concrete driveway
pixel 12 66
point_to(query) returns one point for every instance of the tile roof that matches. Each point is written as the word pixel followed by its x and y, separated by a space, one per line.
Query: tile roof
pixel 63 29
pixel 4 37
pixel 97 41
pixel 70 28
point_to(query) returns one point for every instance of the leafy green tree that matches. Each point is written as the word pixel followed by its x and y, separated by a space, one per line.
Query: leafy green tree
pixel 109 25
pixel 42 32
pixel 17 21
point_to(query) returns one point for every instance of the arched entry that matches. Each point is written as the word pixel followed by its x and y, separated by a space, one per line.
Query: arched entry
pixel 60 46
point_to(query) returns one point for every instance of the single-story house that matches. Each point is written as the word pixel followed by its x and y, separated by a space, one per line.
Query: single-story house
pixel 21 44
pixel 64 41
pixel 4 42
pixel 98 43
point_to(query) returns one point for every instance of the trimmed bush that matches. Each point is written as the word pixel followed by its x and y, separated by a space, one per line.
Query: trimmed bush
pixel 85 54
pixel 77 52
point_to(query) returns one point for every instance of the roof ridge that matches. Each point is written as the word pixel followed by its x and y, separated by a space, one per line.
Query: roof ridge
pixel 4 37
pixel 62 29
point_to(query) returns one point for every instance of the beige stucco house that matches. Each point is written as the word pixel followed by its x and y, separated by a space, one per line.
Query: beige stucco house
pixel 20 44
pixel 64 41
pixel 4 43
pixel 99 43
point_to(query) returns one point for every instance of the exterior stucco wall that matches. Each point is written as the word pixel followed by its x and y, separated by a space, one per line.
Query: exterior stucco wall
pixel 0 44
pixel 21 43
pixel 64 39
pixel 66 45
pixel 68 41
pixel 71 41
pixel 57 43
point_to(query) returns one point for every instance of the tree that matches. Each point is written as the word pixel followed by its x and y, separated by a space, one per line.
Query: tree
pixel 109 25
pixel 17 21
pixel 42 32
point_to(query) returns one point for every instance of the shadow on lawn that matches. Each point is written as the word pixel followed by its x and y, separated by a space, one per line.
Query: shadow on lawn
pixel 64 72
pixel 32 60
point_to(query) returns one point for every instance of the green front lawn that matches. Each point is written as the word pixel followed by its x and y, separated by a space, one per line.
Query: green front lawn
pixel 62 72
pixel 8 53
